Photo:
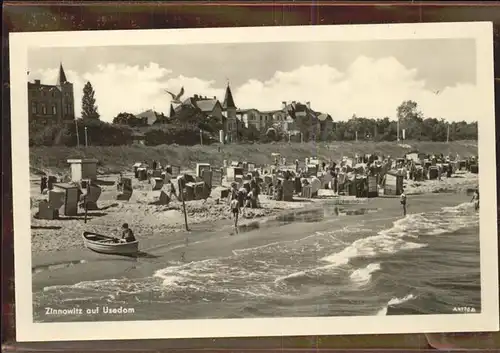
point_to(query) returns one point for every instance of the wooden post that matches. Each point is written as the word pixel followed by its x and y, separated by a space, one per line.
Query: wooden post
pixel 86 209
pixel 201 137
pixel 86 137
pixel 448 134
pixel 181 194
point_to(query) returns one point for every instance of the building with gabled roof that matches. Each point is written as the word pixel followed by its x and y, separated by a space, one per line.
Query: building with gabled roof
pixel 150 117
pixel 207 106
pixel 211 107
pixel 293 117
pixel 51 103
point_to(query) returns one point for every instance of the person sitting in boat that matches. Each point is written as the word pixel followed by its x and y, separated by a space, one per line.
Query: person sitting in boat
pixel 127 234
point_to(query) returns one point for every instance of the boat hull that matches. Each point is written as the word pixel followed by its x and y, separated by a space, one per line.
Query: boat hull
pixel 104 245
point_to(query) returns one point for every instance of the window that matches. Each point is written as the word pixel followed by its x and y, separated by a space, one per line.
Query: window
pixel 66 109
pixel 34 109
pixel 44 109
pixel 54 109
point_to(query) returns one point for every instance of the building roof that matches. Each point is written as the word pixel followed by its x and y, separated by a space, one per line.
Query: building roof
pixel 323 116
pixel 150 114
pixel 271 111
pixel 61 78
pixel 207 105
pixel 242 111
pixel 138 135
pixel 41 86
pixel 228 99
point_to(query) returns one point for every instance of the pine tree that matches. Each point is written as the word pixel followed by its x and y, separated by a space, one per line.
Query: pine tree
pixel 89 109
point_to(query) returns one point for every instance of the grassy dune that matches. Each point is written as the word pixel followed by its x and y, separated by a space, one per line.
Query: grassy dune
pixel 114 159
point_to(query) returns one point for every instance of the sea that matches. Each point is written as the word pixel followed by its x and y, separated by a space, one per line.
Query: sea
pixel 425 263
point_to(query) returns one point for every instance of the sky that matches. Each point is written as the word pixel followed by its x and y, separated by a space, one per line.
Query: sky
pixel 365 78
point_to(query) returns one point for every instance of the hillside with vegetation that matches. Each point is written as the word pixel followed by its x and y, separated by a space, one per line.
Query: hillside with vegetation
pixel 113 159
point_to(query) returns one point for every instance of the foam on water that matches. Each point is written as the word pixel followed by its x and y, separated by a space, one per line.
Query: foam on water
pixel 416 226
pixel 362 276
pixel 395 301
pixel 388 241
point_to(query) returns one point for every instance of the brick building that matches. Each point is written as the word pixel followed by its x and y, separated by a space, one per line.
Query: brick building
pixel 51 103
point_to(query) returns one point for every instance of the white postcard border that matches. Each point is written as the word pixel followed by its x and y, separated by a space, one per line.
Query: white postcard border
pixel 27 330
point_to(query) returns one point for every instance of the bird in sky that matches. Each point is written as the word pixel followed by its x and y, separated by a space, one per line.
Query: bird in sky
pixel 437 92
pixel 176 98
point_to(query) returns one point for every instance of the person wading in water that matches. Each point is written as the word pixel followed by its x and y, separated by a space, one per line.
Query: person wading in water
pixel 403 202
pixel 475 199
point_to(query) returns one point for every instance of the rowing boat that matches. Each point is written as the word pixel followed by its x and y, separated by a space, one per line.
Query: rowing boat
pixel 109 245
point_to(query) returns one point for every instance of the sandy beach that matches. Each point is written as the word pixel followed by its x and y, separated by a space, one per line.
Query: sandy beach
pixel 150 221
pixel 60 258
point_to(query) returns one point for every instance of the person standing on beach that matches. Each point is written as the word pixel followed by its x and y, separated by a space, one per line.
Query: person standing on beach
pixel 43 184
pixel 403 202
pixel 235 210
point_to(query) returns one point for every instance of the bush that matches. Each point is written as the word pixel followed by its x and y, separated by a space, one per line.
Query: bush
pixel 102 134
pixel 64 134
pixel 170 134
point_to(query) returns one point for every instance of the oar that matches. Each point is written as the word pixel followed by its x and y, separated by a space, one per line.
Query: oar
pixel 105 236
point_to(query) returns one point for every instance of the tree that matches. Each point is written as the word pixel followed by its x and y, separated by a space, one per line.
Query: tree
pixel 89 108
pixel 128 119
pixel 410 119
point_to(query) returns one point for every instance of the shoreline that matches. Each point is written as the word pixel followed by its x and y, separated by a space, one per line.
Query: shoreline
pixel 79 264
pixel 148 219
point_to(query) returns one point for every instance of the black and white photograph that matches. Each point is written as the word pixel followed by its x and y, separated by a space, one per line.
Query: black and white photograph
pixel 254 181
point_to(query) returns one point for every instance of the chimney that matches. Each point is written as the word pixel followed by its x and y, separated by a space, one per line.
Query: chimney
pixel 308 104
pixel 195 96
pixel 215 97
pixel 294 102
pixel 283 105
pixel 37 82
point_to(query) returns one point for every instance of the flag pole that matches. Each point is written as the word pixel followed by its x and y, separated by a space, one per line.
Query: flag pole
pixel 77 134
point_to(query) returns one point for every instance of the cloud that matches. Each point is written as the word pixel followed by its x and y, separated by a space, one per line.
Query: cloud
pixel 368 87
